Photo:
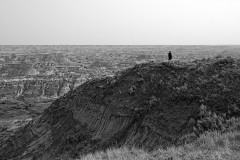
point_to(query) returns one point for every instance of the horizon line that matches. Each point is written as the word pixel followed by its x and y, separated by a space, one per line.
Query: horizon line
pixel 119 44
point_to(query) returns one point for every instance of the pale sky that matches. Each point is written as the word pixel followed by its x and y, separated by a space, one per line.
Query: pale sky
pixel 119 22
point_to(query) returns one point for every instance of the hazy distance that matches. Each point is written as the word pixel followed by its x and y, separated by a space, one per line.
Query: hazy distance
pixel 119 22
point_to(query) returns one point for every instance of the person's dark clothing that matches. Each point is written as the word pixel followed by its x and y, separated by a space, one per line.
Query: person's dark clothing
pixel 169 55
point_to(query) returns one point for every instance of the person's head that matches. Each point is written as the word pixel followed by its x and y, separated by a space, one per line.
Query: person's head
pixel 169 52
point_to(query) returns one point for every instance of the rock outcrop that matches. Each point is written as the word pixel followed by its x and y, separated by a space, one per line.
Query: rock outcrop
pixel 149 105
pixel 35 89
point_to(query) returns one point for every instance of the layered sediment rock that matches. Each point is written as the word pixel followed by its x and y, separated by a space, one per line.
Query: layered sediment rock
pixel 31 89
pixel 149 105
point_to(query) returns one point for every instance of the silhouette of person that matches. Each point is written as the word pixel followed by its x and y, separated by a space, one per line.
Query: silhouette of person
pixel 169 55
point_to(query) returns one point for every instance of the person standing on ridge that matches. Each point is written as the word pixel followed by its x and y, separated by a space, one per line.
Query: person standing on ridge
pixel 169 55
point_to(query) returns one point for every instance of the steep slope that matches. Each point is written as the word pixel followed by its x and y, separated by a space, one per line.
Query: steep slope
pixel 149 105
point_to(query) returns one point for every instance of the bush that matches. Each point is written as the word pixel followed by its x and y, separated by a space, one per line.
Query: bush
pixel 210 121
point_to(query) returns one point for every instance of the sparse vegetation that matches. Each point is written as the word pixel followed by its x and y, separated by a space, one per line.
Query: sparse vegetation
pixel 209 146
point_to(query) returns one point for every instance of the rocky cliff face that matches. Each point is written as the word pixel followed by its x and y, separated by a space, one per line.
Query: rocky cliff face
pixel 34 89
pixel 149 105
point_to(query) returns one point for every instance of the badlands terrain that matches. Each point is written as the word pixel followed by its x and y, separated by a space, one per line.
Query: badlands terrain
pixel 76 100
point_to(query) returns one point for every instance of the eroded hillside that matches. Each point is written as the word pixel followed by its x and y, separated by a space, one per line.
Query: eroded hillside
pixel 149 105
pixel 37 89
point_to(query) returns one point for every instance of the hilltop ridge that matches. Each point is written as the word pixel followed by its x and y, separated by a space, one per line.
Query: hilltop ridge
pixel 148 105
